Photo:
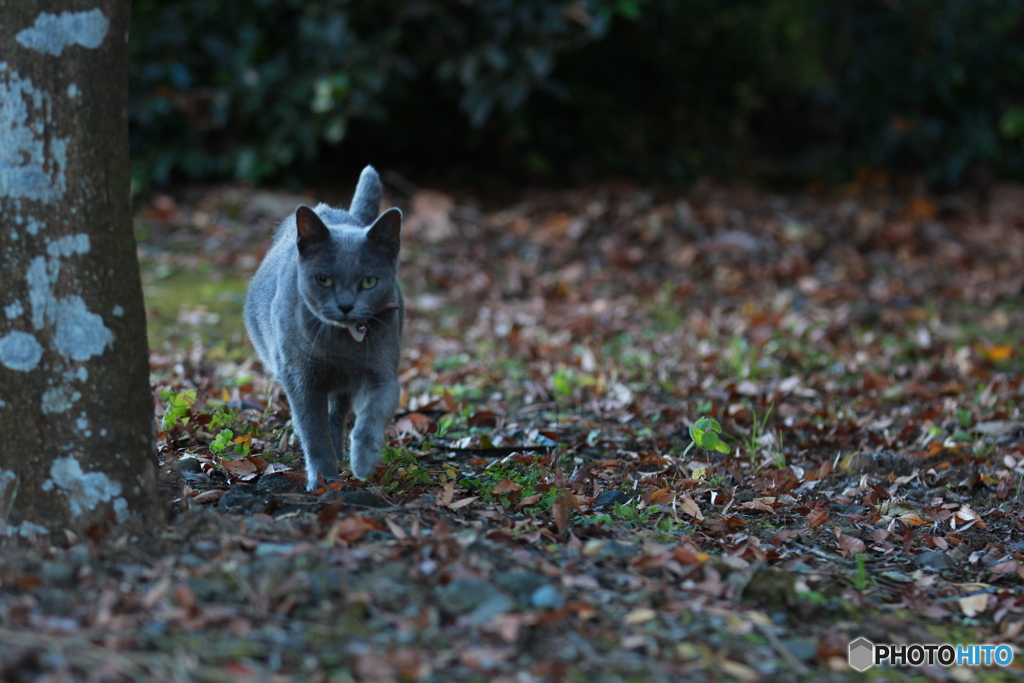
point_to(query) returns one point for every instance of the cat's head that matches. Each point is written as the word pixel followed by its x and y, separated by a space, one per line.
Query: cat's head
pixel 347 272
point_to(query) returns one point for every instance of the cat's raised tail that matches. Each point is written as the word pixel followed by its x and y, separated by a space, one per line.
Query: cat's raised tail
pixel 366 199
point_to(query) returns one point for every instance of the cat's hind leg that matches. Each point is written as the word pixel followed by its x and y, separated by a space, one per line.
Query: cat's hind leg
pixel 340 405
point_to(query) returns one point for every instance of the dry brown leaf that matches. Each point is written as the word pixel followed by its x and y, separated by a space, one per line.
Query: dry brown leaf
pixel 207 497
pixel 849 545
pixel 529 500
pixel 243 470
pixel 395 530
pixel 973 605
pixel 817 517
pixel 506 486
pixel 640 615
pixel 560 513
pixel 661 497
pixel 463 502
pixel 690 507
pixel 351 528
pixel 447 494
pixel 291 475
pixel 784 536
pixel 757 505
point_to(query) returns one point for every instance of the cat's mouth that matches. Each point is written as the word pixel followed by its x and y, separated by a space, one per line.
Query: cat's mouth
pixel 357 331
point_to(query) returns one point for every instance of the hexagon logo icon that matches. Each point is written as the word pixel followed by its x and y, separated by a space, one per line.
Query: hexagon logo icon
pixel 862 654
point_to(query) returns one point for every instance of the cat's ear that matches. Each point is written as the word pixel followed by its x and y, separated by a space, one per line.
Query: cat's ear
pixel 366 199
pixel 311 230
pixel 387 231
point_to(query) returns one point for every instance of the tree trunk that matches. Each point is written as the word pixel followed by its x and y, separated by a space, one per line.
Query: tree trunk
pixel 76 413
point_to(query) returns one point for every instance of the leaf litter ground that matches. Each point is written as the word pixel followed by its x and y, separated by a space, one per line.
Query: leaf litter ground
pixel 539 516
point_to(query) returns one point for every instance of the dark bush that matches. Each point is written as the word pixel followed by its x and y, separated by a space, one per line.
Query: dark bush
pixel 930 86
pixel 244 89
pixel 558 88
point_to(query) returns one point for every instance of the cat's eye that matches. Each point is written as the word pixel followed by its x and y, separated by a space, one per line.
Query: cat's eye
pixel 368 283
pixel 324 281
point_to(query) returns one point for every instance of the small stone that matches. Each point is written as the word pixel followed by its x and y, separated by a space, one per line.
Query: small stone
pixel 521 584
pixel 192 560
pixel 238 499
pixel 206 548
pixel 606 499
pixel 59 573
pixel 264 549
pixel 276 483
pixel 804 649
pixel 876 463
pixel 617 551
pixel 464 595
pixel 497 603
pixel 547 597
pixel 933 559
pixel 357 498
pixel 198 479
pixel 362 498
pixel 190 465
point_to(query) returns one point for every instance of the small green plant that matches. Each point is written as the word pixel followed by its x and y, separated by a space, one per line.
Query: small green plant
pixel 603 518
pixel 177 409
pixel 222 417
pixel 815 598
pixel 226 440
pixel 629 512
pixel 445 424
pixel 760 437
pixel 705 434
pixel 566 381
pixel 757 432
pixel 861 580
pixel 510 483
pixel 402 468
pixel 779 454
pixel 738 359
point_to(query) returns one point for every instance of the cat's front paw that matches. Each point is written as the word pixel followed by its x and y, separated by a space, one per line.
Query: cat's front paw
pixel 318 477
pixel 364 463
pixel 318 481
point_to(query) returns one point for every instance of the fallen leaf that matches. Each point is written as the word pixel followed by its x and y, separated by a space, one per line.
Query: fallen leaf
pixel 351 528
pixel 784 536
pixel 243 470
pixel 506 486
pixel 998 353
pixel 207 497
pixel 690 507
pixel 973 605
pixel 447 494
pixel 560 513
pixel 463 502
pixel 849 545
pixel 395 530
pixel 817 517
pixel 757 505
pixel 640 615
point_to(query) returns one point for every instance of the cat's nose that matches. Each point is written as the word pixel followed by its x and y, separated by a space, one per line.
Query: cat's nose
pixel 345 310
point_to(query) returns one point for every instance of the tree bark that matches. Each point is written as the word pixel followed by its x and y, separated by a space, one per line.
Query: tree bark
pixel 76 413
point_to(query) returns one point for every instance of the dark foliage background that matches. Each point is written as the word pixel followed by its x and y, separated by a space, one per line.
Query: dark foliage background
pixel 552 89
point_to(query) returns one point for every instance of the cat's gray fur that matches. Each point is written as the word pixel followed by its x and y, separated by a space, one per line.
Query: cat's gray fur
pixel 305 329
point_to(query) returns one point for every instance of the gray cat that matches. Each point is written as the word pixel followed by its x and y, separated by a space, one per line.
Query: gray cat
pixel 324 312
